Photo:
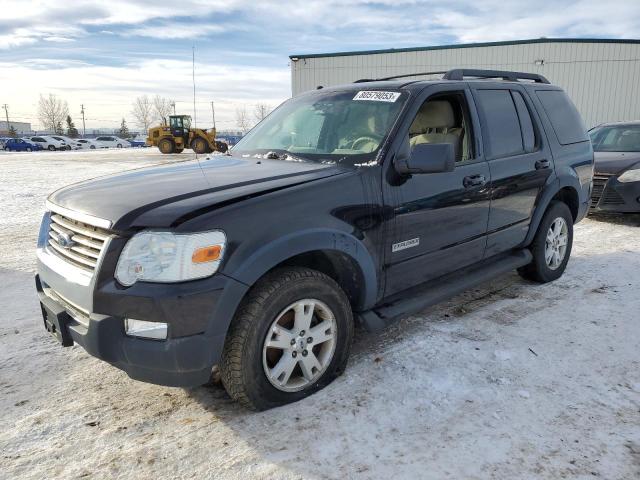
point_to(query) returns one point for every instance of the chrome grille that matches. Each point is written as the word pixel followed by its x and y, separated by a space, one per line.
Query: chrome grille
pixel 76 242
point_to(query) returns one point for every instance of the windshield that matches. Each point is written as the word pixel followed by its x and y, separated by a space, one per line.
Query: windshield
pixel 327 126
pixel 618 138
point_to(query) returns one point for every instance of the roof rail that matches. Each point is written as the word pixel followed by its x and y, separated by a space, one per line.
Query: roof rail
pixel 363 80
pixel 460 73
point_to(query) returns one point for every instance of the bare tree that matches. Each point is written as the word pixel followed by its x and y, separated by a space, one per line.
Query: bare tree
pixel 242 119
pixel 162 108
pixel 261 111
pixel 143 112
pixel 52 111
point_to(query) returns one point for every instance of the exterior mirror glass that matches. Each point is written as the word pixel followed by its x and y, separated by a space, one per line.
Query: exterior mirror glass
pixel 427 158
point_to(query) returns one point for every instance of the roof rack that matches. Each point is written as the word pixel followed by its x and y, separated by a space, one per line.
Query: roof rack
pixel 363 80
pixel 461 73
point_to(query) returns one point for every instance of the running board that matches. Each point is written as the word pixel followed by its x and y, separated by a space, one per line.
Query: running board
pixel 418 298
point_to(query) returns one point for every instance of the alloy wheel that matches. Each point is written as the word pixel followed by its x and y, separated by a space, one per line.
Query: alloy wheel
pixel 299 345
pixel 555 247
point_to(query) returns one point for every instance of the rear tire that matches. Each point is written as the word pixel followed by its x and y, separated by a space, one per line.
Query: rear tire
pixel 166 146
pixel 269 319
pixel 551 246
pixel 29 149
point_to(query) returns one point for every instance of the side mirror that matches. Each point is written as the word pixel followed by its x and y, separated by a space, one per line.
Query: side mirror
pixel 426 158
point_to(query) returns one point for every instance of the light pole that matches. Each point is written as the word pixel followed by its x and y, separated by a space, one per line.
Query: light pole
pixel 84 130
pixel 6 112
pixel 213 115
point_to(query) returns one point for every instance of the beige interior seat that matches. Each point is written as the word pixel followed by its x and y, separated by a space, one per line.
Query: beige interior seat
pixel 435 123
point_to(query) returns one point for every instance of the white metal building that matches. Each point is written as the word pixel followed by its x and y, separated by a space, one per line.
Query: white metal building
pixel 21 127
pixel 602 76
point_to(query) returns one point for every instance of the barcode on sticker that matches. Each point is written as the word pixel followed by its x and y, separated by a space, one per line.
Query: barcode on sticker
pixel 377 96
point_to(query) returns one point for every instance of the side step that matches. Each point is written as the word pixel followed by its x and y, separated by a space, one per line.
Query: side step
pixel 435 291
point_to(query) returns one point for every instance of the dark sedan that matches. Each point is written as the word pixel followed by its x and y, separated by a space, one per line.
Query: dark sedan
pixel 616 182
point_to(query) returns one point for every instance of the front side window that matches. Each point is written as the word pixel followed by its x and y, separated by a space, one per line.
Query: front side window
pixel 348 126
pixel 617 138
pixel 444 119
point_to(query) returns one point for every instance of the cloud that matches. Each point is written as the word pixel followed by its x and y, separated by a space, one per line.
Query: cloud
pixel 108 92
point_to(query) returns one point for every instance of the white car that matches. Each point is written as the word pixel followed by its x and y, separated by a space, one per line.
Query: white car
pixel 47 142
pixel 88 144
pixel 112 141
pixel 72 144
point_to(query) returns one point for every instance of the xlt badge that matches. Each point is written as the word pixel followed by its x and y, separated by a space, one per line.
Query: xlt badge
pixel 414 242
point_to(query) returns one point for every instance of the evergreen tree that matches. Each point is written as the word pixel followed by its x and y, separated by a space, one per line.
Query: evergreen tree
pixel 59 130
pixel 72 131
pixel 124 130
pixel 13 132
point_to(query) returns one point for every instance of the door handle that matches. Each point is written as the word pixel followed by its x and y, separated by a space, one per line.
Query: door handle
pixel 474 181
pixel 541 164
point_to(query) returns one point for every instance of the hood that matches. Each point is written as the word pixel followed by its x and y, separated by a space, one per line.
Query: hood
pixel 159 196
pixel 613 163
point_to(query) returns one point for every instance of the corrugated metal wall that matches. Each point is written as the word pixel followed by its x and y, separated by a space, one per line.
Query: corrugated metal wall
pixel 601 78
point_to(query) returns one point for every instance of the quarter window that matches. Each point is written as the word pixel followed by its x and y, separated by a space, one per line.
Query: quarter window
pixel 564 116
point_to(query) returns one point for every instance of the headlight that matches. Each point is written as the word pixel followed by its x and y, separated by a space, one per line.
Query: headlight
pixel 166 257
pixel 631 175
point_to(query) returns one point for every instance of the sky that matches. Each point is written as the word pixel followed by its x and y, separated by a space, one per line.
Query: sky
pixel 104 54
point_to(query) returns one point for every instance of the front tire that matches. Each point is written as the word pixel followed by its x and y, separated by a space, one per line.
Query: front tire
pixel 199 145
pixel 290 338
pixel 551 247
pixel 51 148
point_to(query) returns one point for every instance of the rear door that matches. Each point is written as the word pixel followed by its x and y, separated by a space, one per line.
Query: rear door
pixel 519 160
pixel 440 219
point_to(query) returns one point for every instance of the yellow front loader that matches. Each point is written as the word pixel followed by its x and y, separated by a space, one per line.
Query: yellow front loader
pixel 178 135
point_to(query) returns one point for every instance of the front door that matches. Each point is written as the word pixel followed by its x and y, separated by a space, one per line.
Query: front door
pixel 440 219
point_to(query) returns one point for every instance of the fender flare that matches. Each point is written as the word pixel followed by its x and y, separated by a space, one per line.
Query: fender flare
pixel 268 256
pixel 545 199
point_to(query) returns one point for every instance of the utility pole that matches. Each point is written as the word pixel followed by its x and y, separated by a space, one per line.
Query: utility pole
pixel 84 130
pixel 6 112
pixel 173 104
pixel 213 115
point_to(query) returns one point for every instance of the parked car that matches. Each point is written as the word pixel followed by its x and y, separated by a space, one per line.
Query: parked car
pixel 616 182
pixel 138 142
pixel 112 142
pixel 20 145
pixel 47 142
pixel 88 143
pixel 72 144
pixel 357 203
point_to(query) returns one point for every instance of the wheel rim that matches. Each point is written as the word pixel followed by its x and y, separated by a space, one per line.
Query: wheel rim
pixel 555 247
pixel 299 345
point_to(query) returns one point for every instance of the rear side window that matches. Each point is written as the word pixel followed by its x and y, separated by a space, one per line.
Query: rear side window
pixel 564 116
pixel 526 124
pixel 500 119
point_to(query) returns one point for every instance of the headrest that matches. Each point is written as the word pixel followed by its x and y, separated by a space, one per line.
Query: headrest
pixel 435 114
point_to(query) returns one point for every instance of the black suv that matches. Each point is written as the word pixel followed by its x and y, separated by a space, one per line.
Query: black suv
pixel 362 202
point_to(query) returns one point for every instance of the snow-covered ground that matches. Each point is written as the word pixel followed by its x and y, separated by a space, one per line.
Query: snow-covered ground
pixel 512 380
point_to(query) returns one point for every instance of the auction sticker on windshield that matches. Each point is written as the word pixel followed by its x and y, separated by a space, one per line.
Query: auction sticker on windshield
pixel 377 96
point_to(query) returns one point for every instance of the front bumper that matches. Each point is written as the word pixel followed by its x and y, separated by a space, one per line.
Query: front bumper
pixel 92 312
pixel 610 195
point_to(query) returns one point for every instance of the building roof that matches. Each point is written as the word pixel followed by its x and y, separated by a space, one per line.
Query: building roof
pixel 468 45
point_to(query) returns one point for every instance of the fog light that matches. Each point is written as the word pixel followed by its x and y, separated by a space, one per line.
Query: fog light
pixel 142 329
